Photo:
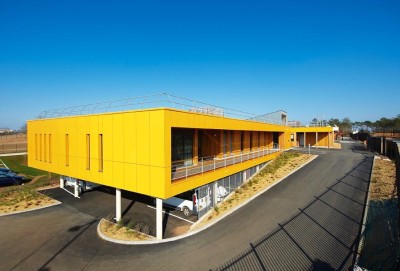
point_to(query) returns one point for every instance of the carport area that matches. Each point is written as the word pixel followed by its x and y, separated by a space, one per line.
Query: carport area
pixel 135 209
pixel 313 139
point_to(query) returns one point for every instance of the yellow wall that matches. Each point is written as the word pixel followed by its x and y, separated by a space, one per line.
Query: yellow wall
pixel 136 147
pixel 133 149
pixel 325 136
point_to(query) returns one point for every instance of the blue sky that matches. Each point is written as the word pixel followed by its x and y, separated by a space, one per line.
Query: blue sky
pixel 333 58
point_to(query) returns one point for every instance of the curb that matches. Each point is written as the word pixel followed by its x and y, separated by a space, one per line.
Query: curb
pixel 13 154
pixel 32 209
pixel 172 239
pixel 361 242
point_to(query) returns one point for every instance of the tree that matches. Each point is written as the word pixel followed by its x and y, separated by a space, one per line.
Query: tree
pixel 333 122
pixel 346 126
pixel 24 128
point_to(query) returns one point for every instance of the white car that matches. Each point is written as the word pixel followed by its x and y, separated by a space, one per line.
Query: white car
pixel 221 193
pixel 183 205
pixel 83 186
pixel 189 203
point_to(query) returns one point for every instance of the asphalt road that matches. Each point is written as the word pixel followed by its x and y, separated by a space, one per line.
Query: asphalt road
pixel 136 208
pixel 310 221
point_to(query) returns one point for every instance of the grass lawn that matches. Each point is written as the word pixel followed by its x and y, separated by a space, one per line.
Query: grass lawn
pixel 19 164
pixel 22 197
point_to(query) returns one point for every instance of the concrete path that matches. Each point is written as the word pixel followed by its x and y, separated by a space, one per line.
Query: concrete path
pixel 310 220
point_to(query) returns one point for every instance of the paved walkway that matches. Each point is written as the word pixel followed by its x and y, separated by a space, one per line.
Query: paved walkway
pixel 310 221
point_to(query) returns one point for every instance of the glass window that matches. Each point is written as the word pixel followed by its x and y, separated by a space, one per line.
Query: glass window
pixel 100 152
pixel 88 151
pixel 67 149
pixel 49 148
pixel 182 146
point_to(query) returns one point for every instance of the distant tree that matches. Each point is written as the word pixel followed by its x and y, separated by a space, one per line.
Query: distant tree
pixel 24 128
pixel 346 126
pixel 333 122
pixel 368 125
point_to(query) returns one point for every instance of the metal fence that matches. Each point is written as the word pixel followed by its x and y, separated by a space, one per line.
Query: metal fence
pixel 223 188
pixel 12 136
pixel 13 148
pixel 13 143
pixel 379 240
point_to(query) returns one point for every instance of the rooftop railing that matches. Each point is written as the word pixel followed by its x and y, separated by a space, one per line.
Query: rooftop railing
pixel 161 100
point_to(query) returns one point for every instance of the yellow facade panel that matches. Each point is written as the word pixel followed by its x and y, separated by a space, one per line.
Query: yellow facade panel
pixel 130 180
pixel 136 146
pixel 143 179
pixel 143 138
pixel 129 133
pixel 118 175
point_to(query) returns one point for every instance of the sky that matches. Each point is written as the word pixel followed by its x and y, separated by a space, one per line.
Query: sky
pixel 330 58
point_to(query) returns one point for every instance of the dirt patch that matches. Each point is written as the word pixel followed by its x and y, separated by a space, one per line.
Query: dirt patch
pixel 120 232
pixel 276 170
pixel 23 200
pixel 383 180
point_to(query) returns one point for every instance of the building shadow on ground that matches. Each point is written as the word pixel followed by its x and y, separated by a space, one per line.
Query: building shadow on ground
pixel 323 235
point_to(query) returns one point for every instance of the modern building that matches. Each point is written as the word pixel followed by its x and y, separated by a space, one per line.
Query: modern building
pixel 163 151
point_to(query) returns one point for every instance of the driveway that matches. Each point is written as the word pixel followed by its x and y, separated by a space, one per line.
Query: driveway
pixel 136 208
pixel 310 220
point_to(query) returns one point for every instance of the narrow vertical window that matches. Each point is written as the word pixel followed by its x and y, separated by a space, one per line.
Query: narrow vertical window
pixel 231 142
pixel 36 147
pixel 100 152
pixel 45 147
pixel 40 147
pixel 87 151
pixel 67 149
pixel 49 148
pixel 242 141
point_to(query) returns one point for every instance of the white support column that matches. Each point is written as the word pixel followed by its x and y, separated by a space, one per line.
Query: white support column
pixel 61 181
pixel 159 219
pixel 215 191
pixel 316 140
pixel 76 189
pixel 117 204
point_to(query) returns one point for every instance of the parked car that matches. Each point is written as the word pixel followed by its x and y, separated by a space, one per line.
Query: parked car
pixel 190 203
pixel 10 178
pixel 83 186
pixel 221 193
pixel 185 202
pixel 3 169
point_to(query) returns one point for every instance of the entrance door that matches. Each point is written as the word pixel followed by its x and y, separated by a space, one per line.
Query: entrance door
pixel 300 138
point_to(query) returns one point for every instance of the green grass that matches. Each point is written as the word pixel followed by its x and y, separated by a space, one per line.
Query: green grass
pixel 279 162
pixel 19 163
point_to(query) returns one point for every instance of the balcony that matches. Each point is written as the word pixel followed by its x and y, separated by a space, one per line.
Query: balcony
pixel 206 164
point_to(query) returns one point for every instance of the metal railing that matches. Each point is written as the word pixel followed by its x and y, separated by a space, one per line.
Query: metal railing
pixel 160 100
pixel 206 164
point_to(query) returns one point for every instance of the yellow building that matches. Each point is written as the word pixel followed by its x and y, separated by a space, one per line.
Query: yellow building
pixel 161 152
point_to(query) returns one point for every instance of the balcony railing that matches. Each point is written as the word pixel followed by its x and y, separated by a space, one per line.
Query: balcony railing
pixel 206 164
